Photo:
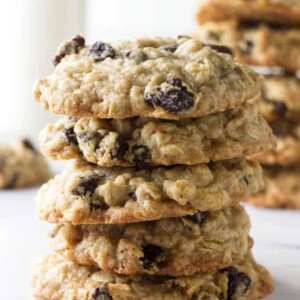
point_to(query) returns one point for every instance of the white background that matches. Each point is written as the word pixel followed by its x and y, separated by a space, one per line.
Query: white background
pixel 30 31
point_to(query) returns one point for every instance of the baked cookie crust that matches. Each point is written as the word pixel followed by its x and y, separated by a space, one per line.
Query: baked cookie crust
pixel 87 194
pixel 138 141
pixel 201 243
pixel 159 78
pixel 57 279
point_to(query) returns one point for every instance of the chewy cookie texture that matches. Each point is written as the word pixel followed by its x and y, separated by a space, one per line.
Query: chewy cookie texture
pixel 55 278
pixel 87 194
pixel 203 242
pixel 137 141
pixel 160 78
pixel 150 207
pixel 22 166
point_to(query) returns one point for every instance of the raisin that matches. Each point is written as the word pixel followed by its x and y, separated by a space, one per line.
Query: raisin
pixel 96 204
pixel 235 279
pixel 220 49
pixel 101 293
pixel 28 144
pixel 87 137
pixel 69 47
pixel 169 48
pixel 100 51
pixel 133 196
pixel 141 153
pixel 246 280
pixel 153 255
pixel 173 98
pixel 246 47
pixel 87 185
pixel 120 150
pixel 280 108
pixel 197 218
pixel 70 135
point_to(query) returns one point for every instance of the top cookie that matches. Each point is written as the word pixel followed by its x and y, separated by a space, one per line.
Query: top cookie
pixel 277 11
pixel 159 78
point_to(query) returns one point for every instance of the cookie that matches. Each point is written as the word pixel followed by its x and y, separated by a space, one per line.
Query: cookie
pixel 281 98
pixel 22 166
pixel 159 78
pixel 287 151
pixel 87 194
pixel 54 278
pixel 257 43
pixel 131 142
pixel 282 189
pixel 276 11
pixel 201 243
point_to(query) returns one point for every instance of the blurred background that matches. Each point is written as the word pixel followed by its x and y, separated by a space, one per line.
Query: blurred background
pixel 31 31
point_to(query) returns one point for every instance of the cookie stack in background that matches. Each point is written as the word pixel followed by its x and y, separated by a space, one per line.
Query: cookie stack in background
pixel 150 207
pixel 22 166
pixel 266 34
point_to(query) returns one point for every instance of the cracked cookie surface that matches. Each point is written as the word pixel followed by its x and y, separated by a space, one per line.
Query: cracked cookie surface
pixel 22 166
pixel 200 243
pixel 57 279
pixel 257 44
pixel 159 78
pixel 277 11
pixel 137 141
pixel 87 194
pixel 282 189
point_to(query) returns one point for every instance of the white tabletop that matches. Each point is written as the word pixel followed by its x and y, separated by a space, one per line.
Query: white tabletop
pixel 23 237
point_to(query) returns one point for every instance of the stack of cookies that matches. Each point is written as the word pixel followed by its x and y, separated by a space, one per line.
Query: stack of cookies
pixel 150 207
pixel 266 34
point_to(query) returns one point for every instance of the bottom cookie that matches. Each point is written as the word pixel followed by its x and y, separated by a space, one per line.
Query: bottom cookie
pixel 22 166
pixel 57 279
pixel 282 188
